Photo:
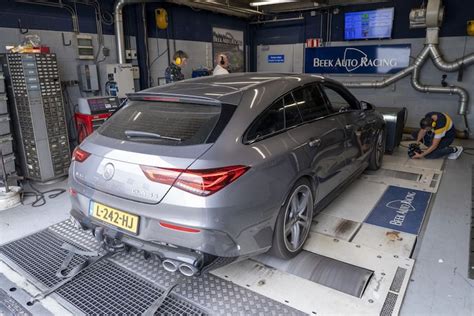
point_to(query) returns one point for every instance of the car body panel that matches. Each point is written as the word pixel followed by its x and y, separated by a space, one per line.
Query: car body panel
pixel 239 219
pixel 128 180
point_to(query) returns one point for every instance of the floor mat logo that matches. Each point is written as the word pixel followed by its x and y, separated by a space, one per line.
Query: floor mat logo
pixel 400 209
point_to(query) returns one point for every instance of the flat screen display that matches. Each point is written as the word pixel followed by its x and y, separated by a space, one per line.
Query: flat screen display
pixel 368 24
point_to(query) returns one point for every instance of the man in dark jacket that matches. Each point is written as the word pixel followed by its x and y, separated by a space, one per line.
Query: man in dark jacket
pixel 173 72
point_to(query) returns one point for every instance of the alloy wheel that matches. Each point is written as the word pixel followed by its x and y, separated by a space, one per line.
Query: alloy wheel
pixel 298 218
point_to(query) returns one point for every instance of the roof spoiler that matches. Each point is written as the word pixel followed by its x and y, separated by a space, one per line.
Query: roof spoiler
pixel 171 97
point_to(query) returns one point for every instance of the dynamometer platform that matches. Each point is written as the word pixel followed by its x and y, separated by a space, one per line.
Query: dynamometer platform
pixel 358 260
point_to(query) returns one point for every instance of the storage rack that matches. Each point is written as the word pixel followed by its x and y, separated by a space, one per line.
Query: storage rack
pixel 38 114
pixel 5 132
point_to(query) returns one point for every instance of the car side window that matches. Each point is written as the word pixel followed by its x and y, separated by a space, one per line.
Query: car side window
pixel 271 121
pixel 337 101
pixel 292 113
pixel 311 103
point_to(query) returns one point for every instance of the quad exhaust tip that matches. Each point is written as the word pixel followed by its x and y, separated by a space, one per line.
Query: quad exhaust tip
pixel 170 265
pixel 185 268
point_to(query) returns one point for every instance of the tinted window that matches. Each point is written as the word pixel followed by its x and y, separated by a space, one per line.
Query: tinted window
pixel 337 101
pixel 272 121
pixel 292 114
pixel 176 123
pixel 310 103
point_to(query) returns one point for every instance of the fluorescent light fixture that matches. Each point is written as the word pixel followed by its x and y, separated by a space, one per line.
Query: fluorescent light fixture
pixel 270 2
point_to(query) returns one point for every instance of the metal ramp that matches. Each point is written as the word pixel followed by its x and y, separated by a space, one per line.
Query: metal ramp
pixel 389 272
pixel 424 179
pixel 331 273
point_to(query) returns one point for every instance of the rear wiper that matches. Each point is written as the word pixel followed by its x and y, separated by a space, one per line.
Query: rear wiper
pixel 139 134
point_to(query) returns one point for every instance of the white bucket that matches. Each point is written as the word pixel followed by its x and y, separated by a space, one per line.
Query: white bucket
pixel 9 199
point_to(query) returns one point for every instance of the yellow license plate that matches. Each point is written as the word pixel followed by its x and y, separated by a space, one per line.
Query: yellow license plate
pixel 114 217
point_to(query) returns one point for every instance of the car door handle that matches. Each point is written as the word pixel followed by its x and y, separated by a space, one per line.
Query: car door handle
pixel 314 142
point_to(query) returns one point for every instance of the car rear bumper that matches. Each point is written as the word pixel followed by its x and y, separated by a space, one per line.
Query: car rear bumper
pixel 153 237
pixel 161 250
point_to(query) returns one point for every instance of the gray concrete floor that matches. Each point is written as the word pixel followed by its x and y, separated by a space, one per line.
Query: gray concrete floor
pixel 439 283
pixel 24 220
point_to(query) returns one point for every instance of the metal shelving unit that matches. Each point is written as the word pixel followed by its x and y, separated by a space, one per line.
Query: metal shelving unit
pixel 38 114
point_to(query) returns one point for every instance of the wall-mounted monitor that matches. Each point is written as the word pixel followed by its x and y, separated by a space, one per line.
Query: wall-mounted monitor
pixel 373 24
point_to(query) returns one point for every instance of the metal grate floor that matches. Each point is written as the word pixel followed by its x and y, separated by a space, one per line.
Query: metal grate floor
pixel 40 255
pixel 127 284
pixel 107 289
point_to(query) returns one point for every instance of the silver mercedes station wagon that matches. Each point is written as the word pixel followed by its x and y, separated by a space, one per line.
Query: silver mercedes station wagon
pixel 211 170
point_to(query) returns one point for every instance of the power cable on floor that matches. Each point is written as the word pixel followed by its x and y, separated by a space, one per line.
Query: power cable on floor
pixel 40 196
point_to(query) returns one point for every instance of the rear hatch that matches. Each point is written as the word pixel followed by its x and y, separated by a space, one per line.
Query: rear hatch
pixel 156 132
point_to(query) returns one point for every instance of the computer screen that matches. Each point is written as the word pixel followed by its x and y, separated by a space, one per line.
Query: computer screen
pixel 368 24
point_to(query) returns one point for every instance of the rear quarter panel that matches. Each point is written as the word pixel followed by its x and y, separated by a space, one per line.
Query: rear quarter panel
pixel 254 200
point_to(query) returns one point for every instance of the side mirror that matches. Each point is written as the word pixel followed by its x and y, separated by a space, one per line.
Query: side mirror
pixel 366 106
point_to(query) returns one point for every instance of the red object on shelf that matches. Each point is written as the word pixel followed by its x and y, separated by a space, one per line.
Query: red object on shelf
pixel 86 124
pixel 44 49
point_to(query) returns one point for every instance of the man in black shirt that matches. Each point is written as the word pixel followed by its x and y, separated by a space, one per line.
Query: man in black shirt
pixel 173 72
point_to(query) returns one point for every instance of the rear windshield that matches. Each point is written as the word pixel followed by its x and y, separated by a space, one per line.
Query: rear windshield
pixel 166 123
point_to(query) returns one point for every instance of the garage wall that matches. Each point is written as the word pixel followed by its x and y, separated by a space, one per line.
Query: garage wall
pixel 200 55
pixel 278 39
pixel 400 93
pixel 188 30
pixel 66 55
pixel 293 61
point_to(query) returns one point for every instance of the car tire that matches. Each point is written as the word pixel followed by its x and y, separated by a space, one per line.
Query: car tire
pixel 294 221
pixel 376 157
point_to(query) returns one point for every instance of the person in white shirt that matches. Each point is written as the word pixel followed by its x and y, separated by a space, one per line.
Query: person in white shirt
pixel 222 65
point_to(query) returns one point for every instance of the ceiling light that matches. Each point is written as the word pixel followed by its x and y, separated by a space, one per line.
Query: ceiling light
pixel 270 2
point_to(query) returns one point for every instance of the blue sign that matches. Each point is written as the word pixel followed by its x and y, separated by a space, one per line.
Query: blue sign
pixel 400 209
pixel 371 59
pixel 276 59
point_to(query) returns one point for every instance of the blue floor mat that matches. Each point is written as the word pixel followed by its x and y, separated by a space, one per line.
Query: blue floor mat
pixel 400 209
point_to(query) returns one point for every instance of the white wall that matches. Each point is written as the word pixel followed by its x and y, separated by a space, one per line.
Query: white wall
pixel 293 58
pixel 200 54
pixel 402 93
pixel 66 55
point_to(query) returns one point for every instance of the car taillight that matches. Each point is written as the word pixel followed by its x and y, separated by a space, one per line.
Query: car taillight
pixel 199 182
pixel 80 155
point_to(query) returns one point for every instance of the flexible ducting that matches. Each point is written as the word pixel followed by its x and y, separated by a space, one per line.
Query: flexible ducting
pixel 380 83
pixel 441 64
pixel 434 17
pixel 429 50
